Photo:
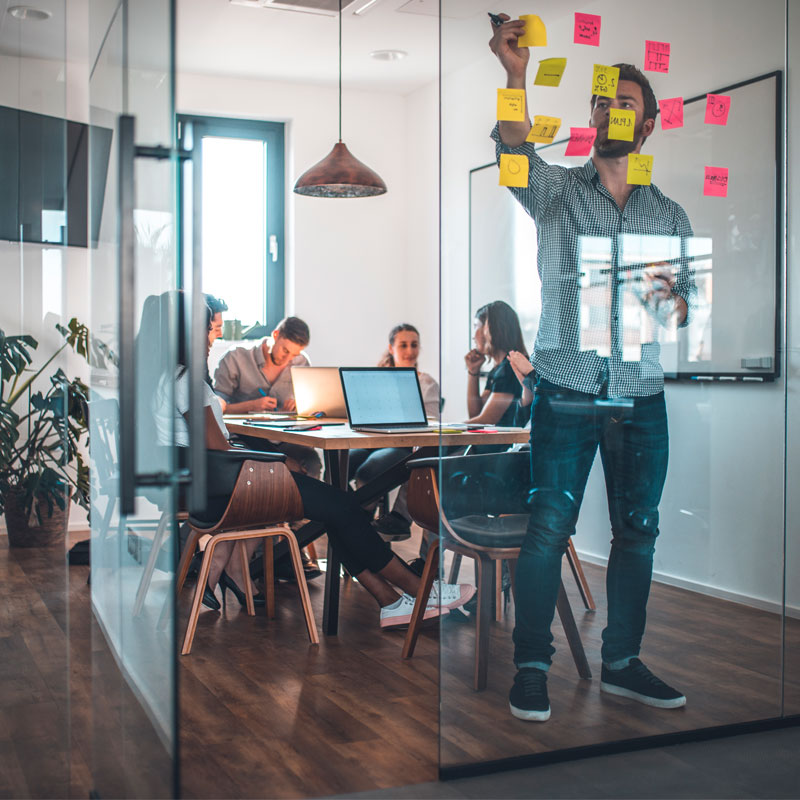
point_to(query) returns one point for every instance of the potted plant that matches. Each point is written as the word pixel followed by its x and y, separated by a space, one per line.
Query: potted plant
pixel 41 465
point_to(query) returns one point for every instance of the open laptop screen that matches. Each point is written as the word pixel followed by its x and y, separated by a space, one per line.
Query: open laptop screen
pixel 382 396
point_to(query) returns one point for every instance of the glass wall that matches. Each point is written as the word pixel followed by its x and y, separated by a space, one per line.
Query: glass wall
pixel 648 527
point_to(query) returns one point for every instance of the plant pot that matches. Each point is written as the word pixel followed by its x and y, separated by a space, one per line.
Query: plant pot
pixel 21 533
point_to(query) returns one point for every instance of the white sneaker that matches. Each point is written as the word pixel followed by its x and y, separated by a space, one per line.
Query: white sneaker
pixel 399 613
pixel 452 595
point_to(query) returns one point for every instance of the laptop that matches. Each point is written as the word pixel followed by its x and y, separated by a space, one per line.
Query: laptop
pixel 318 390
pixel 384 400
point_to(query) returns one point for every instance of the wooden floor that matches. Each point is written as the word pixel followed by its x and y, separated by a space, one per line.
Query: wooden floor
pixel 265 715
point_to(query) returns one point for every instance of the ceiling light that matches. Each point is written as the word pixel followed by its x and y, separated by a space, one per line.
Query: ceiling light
pixel 364 7
pixel 388 55
pixel 29 13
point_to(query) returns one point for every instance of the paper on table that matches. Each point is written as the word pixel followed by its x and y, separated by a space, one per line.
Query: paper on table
pixel 621 123
pixel 581 141
pixel 511 105
pixel 640 169
pixel 604 80
pixel 550 72
pixel 671 112
pixel 716 182
pixel 656 56
pixel 587 29
pixel 544 129
pixel 535 33
pixel 717 108
pixel 513 170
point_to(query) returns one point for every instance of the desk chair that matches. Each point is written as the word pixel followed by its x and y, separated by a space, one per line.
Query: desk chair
pixel 264 499
pixel 483 516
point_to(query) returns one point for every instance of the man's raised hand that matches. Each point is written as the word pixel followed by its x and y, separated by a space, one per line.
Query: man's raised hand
pixel 504 45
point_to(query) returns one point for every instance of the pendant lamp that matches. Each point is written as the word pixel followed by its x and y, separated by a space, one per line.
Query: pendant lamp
pixel 340 174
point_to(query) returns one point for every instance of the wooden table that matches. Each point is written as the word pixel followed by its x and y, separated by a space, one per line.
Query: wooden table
pixel 336 441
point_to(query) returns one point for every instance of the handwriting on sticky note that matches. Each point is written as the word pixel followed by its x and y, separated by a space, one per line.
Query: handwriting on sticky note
pixel 716 182
pixel 587 29
pixel 621 123
pixel 544 129
pixel 511 105
pixel 640 169
pixel 671 112
pixel 604 80
pixel 550 71
pixel 535 33
pixel 513 170
pixel 581 141
pixel 717 108
pixel 656 56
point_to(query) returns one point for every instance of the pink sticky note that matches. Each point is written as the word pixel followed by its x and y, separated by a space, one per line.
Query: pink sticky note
pixel 716 182
pixel 671 112
pixel 581 141
pixel 717 108
pixel 587 29
pixel 656 56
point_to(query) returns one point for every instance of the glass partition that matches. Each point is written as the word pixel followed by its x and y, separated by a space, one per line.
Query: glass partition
pixel 630 559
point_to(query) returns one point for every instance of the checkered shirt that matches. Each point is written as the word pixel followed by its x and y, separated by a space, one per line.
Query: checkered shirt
pixel 581 343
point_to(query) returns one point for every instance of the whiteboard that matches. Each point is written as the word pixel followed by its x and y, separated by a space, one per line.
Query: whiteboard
pixel 735 323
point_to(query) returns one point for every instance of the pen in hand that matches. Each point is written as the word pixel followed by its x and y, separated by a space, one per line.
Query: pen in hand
pixel 496 21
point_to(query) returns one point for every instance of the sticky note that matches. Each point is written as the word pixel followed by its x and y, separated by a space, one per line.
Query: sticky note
pixel 513 170
pixel 640 169
pixel 656 56
pixel 581 141
pixel 511 105
pixel 535 33
pixel 671 113
pixel 717 108
pixel 604 80
pixel 716 182
pixel 587 29
pixel 544 129
pixel 550 71
pixel 621 123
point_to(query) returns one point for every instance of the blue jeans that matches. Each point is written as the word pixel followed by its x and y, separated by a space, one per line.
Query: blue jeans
pixel 567 427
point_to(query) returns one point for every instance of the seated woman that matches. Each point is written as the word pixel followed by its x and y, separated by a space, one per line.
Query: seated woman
pixel 362 551
pixel 403 351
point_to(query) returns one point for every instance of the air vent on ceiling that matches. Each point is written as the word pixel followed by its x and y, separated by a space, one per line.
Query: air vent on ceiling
pixel 329 8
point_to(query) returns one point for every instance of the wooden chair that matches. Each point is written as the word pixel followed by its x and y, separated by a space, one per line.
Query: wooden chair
pixel 264 499
pixel 484 518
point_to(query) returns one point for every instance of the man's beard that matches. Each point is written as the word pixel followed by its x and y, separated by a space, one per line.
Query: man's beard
pixel 615 148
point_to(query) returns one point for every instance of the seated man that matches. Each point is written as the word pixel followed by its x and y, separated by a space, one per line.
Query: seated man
pixel 253 379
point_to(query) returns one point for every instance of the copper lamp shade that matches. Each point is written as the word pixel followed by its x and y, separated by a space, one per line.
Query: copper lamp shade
pixel 340 174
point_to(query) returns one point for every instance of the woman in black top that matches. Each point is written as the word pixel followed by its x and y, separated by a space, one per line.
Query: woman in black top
pixel 497 333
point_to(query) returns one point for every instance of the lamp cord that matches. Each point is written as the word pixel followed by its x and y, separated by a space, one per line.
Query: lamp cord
pixel 340 70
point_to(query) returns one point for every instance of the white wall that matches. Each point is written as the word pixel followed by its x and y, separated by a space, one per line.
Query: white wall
pixel 722 513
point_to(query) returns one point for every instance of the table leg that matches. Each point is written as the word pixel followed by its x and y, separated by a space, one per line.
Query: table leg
pixel 336 464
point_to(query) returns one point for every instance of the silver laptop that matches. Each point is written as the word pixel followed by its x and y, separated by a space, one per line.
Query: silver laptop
pixel 384 400
pixel 318 390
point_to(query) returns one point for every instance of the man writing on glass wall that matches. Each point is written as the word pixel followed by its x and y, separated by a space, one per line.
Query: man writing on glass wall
pixel 593 394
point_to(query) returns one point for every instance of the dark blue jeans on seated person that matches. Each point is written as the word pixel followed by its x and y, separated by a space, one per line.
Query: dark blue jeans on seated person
pixel 567 427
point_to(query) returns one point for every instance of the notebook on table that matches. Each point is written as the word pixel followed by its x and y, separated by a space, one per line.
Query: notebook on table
pixel 318 390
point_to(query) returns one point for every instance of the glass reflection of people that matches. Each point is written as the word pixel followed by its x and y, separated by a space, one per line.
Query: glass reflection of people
pixel 496 333
pixel 367 557
pixel 567 425
pixel 365 465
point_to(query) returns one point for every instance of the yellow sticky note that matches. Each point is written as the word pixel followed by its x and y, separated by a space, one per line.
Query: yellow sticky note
pixel 621 122
pixel 605 80
pixel 513 170
pixel 544 129
pixel 550 71
pixel 511 105
pixel 535 33
pixel 640 169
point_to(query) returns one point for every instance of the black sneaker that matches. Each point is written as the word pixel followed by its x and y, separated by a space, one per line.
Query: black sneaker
pixel 393 527
pixel 638 683
pixel 528 698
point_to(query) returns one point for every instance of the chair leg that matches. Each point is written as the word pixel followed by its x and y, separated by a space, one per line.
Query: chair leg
pixel 421 600
pixel 269 576
pixel 580 578
pixel 302 586
pixel 486 572
pixel 202 579
pixel 498 590
pixel 149 567
pixel 573 636
pixel 455 568
pixel 247 587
